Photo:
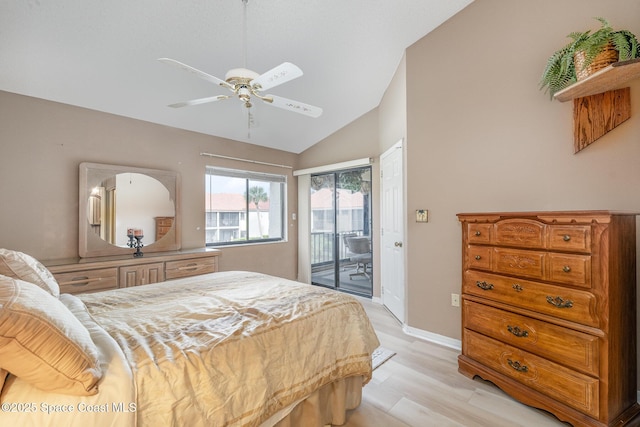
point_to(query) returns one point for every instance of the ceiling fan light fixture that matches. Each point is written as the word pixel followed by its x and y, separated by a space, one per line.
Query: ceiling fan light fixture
pixel 244 94
pixel 240 74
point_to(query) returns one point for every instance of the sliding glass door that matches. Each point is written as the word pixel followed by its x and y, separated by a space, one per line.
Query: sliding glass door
pixel 341 255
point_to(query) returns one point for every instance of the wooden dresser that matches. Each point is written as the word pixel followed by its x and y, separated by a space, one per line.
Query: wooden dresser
pixel 163 225
pixel 549 311
pixel 100 274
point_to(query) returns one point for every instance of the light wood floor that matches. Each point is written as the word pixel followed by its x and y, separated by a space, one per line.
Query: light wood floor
pixel 420 387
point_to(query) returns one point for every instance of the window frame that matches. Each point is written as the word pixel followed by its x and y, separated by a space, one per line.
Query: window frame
pixel 248 176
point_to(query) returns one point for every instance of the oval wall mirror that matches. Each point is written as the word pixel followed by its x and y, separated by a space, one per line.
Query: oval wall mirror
pixel 114 200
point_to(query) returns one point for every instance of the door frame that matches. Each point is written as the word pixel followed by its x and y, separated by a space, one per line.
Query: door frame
pixel 397 146
pixel 338 251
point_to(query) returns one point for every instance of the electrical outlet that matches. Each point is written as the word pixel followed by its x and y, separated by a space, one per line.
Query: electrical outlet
pixel 455 300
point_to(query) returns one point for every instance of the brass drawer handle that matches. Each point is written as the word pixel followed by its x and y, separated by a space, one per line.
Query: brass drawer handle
pixel 559 302
pixel 484 285
pixel 515 330
pixel 517 287
pixel 478 257
pixel 566 269
pixel 566 237
pixel 477 233
pixel 517 366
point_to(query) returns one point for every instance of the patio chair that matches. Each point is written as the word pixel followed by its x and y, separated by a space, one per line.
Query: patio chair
pixel 359 251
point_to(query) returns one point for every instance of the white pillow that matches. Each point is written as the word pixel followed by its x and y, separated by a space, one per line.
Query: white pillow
pixel 24 267
pixel 43 343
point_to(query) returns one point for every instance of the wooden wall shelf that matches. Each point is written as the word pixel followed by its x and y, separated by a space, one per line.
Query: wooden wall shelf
pixel 615 76
pixel 601 102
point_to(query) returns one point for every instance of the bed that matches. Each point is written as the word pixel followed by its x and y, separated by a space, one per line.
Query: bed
pixel 220 349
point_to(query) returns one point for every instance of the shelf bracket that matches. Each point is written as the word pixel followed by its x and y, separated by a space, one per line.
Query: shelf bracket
pixel 595 115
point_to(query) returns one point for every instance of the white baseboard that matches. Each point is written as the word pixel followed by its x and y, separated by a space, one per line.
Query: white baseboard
pixel 425 335
pixel 432 337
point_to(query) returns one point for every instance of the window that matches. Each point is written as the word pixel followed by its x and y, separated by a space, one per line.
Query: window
pixel 244 207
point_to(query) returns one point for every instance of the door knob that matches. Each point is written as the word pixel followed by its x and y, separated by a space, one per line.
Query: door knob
pixel 398 244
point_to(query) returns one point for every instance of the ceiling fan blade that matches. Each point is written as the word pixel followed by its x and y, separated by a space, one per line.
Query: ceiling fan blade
pixel 295 106
pixel 199 101
pixel 276 76
pixel 197 72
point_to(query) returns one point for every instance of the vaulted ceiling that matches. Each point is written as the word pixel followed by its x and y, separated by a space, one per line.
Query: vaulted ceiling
pixel 103 55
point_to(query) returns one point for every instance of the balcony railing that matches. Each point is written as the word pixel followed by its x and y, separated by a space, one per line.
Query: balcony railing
pixel 322 247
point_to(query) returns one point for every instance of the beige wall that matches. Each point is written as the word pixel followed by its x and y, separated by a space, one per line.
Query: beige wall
pixel 42 144
pixel 355 141
pixel 392 111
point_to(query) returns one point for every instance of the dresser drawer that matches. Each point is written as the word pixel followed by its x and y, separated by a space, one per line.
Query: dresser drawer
pixel 574 389
pixel 565 303
pixel 161 231
pixel 190 267
pixel 520 263
pixel 164 222
pixel 479 257
pixel 520 232
pixel 479 233
pixel 570 348
pixel 88 280
pixel 575 238
pixel 570 269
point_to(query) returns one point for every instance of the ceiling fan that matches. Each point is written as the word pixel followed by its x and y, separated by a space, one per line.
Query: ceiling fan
pixel 246 84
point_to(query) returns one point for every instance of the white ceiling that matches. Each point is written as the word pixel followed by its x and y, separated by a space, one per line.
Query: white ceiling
pixel 103 55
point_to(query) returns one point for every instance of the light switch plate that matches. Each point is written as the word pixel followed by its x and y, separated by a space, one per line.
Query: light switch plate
pixel 422 215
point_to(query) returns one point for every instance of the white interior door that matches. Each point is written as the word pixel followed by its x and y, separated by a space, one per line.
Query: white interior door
pixel 392 232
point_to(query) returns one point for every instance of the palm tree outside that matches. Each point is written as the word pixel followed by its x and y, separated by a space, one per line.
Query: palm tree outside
pixel 257 195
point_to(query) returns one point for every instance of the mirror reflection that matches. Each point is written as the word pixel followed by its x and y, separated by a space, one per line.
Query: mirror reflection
pixel 114 199
pixel 130 201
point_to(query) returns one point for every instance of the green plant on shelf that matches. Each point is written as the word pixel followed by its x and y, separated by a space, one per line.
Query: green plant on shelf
pixel 566 64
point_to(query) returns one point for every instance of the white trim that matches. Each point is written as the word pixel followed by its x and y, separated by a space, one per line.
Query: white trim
pixel 432 337
pixel 429 336
pixel 304 229
pixel 334 167
pixel 405 306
